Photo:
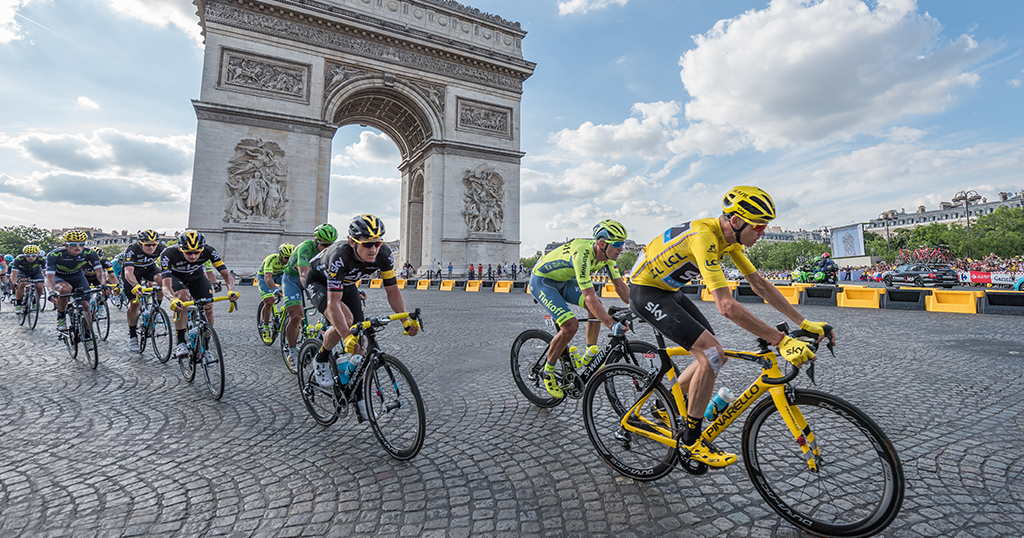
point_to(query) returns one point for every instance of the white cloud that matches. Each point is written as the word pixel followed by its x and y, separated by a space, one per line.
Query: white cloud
pixel 585 181
pixel 803 72
pixel 107 151
pixel 89 190
pixel 87 104
pixel 180 13
pixel 372 147
pixel 10 30
pixel 568 7
pixel 646 137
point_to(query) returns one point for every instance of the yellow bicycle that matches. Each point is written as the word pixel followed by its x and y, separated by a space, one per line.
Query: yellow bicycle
pixel 818 461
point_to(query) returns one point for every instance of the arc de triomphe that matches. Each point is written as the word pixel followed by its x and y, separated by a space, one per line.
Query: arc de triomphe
pixel 442 80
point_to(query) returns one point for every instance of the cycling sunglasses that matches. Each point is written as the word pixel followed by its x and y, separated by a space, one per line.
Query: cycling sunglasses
pixel 192 251
pixel 616 244
pixel 76 244
pixel 759 228
pixel 369 244
pixel 150 244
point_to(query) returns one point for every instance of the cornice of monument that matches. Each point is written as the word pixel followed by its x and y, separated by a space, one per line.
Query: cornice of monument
pixel 296 19
pixel 206 110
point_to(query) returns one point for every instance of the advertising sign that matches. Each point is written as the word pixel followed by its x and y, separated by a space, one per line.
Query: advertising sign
pixel 848 241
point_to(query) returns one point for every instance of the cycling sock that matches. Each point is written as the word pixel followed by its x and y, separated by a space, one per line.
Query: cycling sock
pixel 323 355
pixel 692 431
pixel 181 336
pixel 549 368
pixel 133 331
pixel 60 315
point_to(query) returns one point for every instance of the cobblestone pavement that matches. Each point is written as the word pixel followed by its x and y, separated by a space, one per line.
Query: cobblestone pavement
pixel 130 449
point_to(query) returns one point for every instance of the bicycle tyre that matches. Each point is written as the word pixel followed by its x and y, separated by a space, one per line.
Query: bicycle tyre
pixel 856 492
pixel 23 315
pixel 90 344
pixel 394 407
pixel 102 319
pixel 259 322
pixel 187 365
pixel 284 342
pixel 608 396
pixel 527 357
pixel 213 363
pixel 322 403
pixel 37 305
pixel 70 334
pixel 160 329
pixel 641 354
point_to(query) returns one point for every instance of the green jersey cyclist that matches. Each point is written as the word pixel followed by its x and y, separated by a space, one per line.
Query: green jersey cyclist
pixel 693 250
pixel 294 280
pixel 562 277
pixel 268 278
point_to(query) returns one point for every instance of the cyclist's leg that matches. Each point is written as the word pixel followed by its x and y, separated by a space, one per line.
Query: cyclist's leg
pixel 293 303
pixel 549 293
pixel 267 296
pixel 317 292
pixel 202 288
pixel 180 291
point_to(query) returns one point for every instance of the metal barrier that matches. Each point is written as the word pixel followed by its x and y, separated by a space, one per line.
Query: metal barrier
pixel 1005 303
pixel 905 299
pixel 860 297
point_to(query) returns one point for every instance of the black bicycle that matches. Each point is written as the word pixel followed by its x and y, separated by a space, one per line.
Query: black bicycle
pixel 31 304
pixel 154 325
pixel 381 387
pixel 203 346
pixel 100 315
pixel 79 327
pixel 530 353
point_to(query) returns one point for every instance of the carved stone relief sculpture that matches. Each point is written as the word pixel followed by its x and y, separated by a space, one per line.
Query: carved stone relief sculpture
pixel 485 191
pixel 256 182
pixel 265 76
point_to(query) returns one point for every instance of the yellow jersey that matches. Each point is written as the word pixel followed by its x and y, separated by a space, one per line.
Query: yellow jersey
pixel 686 252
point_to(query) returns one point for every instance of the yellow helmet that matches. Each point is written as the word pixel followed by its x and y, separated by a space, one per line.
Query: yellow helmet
pixel 365 227
pixel 191 240
pixel 750 204
pixel 75 236
pixel 30 250
pixel 285 250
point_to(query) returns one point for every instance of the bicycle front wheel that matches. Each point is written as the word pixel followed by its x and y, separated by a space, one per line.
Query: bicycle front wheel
pixel 90 342
pixel 161 335
pixel 70 334
pixel 528 356
pixel 187 365
pixel 36 304
pixel 213 363
pixel 259 325
pixel 858 488
pixel 609 395
pixel 101 320
pixel 321 402
pixel 394 407
pixel 285 319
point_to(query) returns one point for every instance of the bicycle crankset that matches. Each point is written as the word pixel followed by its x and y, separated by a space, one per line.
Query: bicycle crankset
pixel 694 467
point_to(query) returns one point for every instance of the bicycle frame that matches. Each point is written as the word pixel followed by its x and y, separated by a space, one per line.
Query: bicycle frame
pixel 772 381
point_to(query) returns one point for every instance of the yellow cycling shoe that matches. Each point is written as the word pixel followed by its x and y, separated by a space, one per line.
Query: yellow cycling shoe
pixel 706 452
pixel 266 335
pixel 551 384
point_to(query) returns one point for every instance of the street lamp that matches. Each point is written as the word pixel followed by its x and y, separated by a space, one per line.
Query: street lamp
pixel 967 197
pixel 887 216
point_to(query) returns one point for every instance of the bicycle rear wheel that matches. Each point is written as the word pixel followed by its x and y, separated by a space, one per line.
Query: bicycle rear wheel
pixel 161 334
pixel 187 365
pixel 284 342
pixel 609 395
pixel 527 358
pixel 36 303
pixel 858 488
pixel 213 362
pixel 70 334
pixel 90 342
pixel 321 402
pixel 394 407
pixel 259 324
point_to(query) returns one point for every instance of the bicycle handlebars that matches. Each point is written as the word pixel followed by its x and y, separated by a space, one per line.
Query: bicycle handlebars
pixel 806 336
pixel 384 320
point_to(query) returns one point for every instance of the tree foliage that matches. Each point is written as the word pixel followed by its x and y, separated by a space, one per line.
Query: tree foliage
pixel 626 261
pixel 784 255
pixel 528 263
pixel 14 238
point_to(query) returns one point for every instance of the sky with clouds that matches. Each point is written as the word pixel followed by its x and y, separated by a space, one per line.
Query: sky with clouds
pixel 646 111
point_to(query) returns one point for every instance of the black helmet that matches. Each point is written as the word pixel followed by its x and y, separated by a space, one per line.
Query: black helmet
pixel 365 227
pixel 191 240
pixel 148 236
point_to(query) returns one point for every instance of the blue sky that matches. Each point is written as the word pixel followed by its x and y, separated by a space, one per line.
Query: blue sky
pixel 646 111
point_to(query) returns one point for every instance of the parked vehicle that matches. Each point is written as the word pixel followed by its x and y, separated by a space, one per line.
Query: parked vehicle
pixel 921 275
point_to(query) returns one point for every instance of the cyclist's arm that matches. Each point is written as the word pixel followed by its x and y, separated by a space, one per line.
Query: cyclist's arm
pixel 735 312
pixel 129 275
pixel 268 277
pixel 228 279
pixel 622 289
pixel 771 295
pixel 303 271
pixel 596 307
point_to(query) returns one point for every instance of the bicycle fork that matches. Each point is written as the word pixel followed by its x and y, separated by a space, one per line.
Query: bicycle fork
pixel 797 426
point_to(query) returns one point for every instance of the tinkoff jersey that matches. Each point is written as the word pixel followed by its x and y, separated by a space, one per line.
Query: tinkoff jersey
pixel 686 252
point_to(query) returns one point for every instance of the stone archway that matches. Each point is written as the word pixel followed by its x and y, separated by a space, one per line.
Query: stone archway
pixel 442 80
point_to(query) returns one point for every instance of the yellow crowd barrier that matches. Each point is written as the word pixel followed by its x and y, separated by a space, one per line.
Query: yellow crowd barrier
pixel 608 291
pixel 503 286
pixel 447 285
pixel 422 284
pixel 401 282
pixel 955 301
pixel 473 285
pixel 376 283
pixel 791 293
pixel 859 297
pixel 705 295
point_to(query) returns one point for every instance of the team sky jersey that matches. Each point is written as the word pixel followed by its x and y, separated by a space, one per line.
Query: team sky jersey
pixel 105 263
pixel 300 257
pixel 574 260
pixel 134 256
pixel 174 263
pixel 337 264
pixel 686 252
pixel 272 264
pixel 23 266
pixel 59 261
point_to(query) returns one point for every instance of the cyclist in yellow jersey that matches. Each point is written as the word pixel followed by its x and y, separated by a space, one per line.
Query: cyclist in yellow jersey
pixel 694 250
pixel 563 277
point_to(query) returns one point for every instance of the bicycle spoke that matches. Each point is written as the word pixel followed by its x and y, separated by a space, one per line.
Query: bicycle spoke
pixel 394 407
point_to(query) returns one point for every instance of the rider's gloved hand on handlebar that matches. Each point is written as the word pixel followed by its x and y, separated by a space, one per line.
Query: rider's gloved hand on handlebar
pixel 411 326
pixel 619 328
pixel 816 327
pixel 350 343
pixel 796 351
pixel 176 304
pixel 232 295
